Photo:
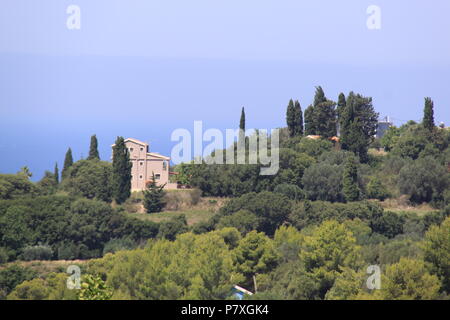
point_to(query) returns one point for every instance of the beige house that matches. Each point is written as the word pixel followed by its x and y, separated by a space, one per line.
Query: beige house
pixel 145 164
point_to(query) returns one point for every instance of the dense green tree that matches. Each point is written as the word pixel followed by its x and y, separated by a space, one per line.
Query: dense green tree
pixel 254 254
pixel 56 174
pixel 243 220
pixel 423 180
pixel 47 185
pixel 437 252
pixel 310 122
pixel 409 280
pixel 93 149
pixel 68 161
pixel 358 124
pixel 294 118
pixel 94 288
pixel 121 172
pixel 330 248
pixel 341 104
pixel 154 196
pixel 90 179
pixel 16 185
pixel 428 114
pixel 323 181
pixel 298 116
pixel 350 180
pixel 376 189
pixel 242 120
pixel 13 275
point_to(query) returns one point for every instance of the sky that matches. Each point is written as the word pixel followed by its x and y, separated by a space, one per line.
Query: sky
pixel 143 68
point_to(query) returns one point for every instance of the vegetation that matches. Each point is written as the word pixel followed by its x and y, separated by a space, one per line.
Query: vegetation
pixel 309 232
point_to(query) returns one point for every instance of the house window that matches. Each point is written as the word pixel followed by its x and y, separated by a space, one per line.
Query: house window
pixel 131 149
pixel 142 149
pixel 141 163
pixel 157 176
pixel 164 165
pixel 140 177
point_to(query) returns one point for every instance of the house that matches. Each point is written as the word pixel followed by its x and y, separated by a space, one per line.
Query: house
pixel 382 126
pixel 145 164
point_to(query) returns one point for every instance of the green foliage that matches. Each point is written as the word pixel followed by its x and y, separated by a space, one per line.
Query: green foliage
pixel 294 118
pixel 376 189
pixel 254 254
pixel 173 227
pixel 272 209
pixel 437 252
pixel 358 124
pixel 52 287
pixel 38 252
pixel 330 248
pixel 320 118
pixel 291 191
pixel 90 179
pixel 48 184
pixel 423 180
pixel 350 180
pixel 115 245
pixel 15 185
pixel 191 267
pixel 121 172
pixel 409 280
pixel 323 181
pixel 154 196
pixel 93 149
pixel 94 288
pixel 243 220
pixel 13 275
pixel 428 114
pixel 73 228
pixel 68 161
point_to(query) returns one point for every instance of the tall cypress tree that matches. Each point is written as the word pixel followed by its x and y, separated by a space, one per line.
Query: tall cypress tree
pixel 324 115
pixel 358 124
pixel 298 115
pixel 121 171
pixel 310 122
pixel 93 149
pixel 341 104
pixel 290 118
pixel 68 162
pixel 428 114
pixel 350 180
pixel 242 120
pixel 56 173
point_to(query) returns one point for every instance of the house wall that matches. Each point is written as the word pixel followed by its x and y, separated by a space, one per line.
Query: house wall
pixel 144 164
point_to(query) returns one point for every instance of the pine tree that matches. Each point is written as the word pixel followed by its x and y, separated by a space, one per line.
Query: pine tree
pixel 56 173
pixel 154 196
pixel 68 162
pixel 310 123
pixel 93 149
pixel 428 114
pixel 319 96
pixel 290 118
pixel 121 175
pixel 298 116
pixel 350 180
pixel 341 104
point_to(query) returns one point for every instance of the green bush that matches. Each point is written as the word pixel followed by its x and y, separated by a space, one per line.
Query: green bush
pixel 291 191
pixel 38 252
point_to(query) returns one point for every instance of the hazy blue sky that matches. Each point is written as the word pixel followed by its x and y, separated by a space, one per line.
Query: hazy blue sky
pixel 143 68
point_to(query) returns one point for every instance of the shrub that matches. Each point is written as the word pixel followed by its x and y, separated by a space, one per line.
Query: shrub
pixel 376 189
pixel 173 227
pixel 115 245
pixel 323 181
pixel 38 252
pixel 291 191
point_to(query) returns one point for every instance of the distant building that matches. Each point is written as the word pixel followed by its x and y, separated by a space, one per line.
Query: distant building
pixel 382 127
pixel 145 164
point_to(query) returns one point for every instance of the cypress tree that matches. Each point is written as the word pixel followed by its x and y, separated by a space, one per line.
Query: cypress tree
pixel 242 120
pixel 93 149
pixel 310 123
pixel 428 114
pixel 121 171
pixel 56 173
pixel 350 180
pixel 358 124
pixel 290 118
pixel 68 162
pixel 298 115
pixel 324 115
pixel 341 104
